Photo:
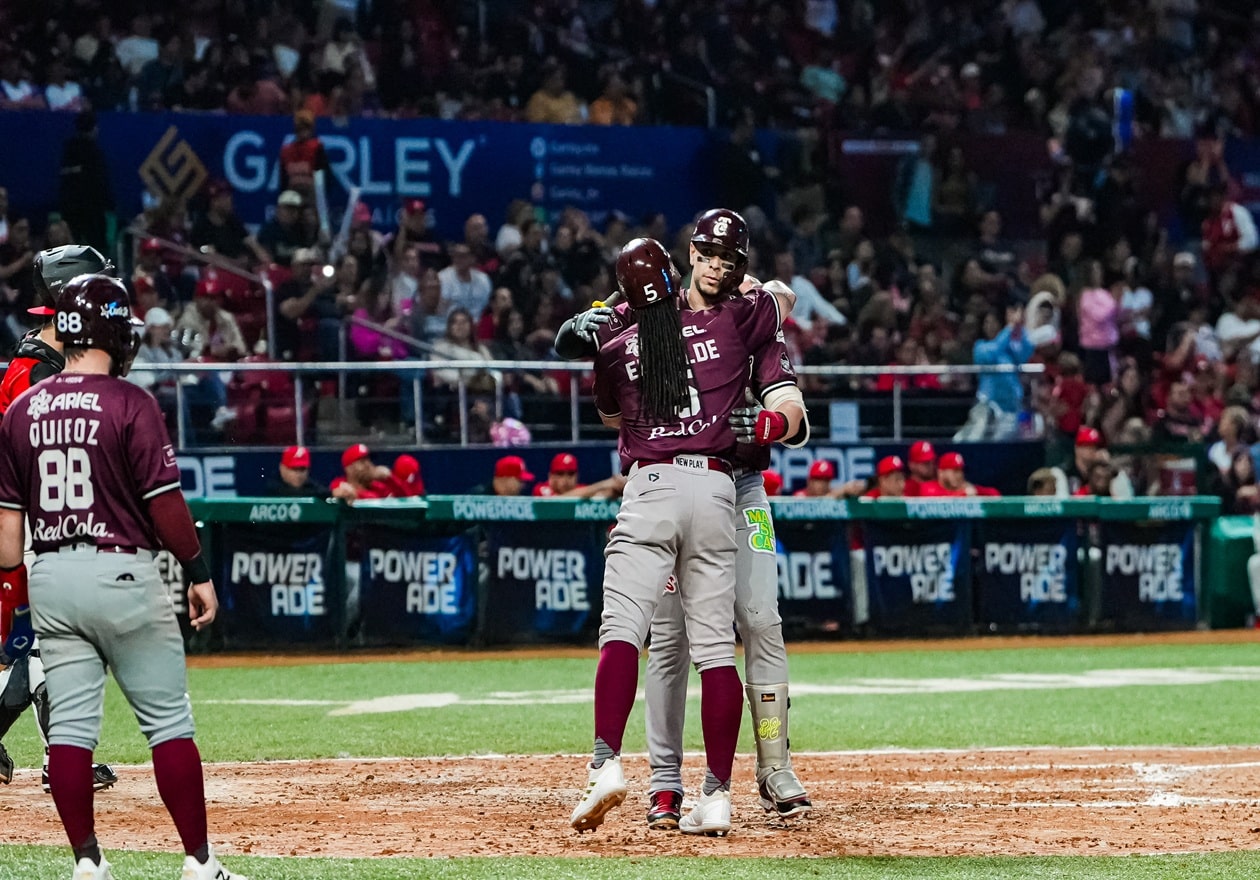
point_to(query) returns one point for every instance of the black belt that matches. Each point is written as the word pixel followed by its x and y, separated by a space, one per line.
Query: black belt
pixel 101 548
pixel 710 462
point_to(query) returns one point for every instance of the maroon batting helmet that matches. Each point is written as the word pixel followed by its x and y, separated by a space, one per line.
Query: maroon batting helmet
pixel 56 266
pixel 644 273
pixel 728 230
pixel 94 311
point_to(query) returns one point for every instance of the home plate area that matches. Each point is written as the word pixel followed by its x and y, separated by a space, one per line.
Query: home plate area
pixel 1033 801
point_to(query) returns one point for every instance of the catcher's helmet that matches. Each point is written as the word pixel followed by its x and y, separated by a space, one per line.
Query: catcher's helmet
pixel 56 266
pixel 644 273
pixel 728 230
pixel 94 311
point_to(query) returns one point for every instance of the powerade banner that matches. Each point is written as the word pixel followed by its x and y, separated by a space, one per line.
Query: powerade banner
pixel 1148 575
pixel 546 580
pixel 417 588
pixel 918 576
pixel 457 168
pixel 814 582
pixel 1027 575
pixel 276 584
pixel 450 471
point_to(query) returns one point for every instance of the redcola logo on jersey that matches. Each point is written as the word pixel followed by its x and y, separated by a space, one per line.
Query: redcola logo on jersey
pixel 67 528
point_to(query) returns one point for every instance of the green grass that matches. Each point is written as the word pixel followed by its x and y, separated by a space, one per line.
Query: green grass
pixel 1201 714
pixel 42 863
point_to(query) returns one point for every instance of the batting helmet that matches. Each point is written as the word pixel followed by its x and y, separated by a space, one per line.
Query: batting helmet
pixel 644 273
pixel 94 311
pixel 725 229
pixel 56 266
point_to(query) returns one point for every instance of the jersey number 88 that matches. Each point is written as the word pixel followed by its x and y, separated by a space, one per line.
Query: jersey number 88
pixel 65 479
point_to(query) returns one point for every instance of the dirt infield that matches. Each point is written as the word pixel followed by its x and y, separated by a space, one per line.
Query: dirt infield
pixel 990 802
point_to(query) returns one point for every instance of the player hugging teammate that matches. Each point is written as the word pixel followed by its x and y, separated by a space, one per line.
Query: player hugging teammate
pixel 672 372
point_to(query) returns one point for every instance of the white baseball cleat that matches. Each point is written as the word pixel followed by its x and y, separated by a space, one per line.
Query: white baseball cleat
pixel 86 869
pixel 605 789
pixel 211 870
pixel 711 815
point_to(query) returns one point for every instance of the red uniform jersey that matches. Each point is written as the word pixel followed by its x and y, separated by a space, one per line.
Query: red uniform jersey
pixel 923 488
pixel 33 361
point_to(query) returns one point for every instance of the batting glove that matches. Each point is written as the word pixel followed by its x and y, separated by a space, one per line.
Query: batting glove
pixel 752 424
pixel 21 635
pixel 588 322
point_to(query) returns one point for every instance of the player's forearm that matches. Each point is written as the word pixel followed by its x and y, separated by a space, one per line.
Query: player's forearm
pixel 174 526
pixel 789 403
pixel 11 538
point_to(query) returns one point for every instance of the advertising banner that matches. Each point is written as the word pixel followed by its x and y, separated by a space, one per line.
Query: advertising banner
pixel 918 576
pixel 416 587
pixel 1148 575
pixel 546 580
pixel 1028 575
pixel 280 584
pixel 812 559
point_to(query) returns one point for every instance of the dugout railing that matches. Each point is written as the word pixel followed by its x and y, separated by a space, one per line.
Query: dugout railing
pixel 482 570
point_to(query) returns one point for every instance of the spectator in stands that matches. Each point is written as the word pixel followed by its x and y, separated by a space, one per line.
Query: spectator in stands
pixel 922 481
pixel 553 103
pixel 85 196
pixel 510 477
pixel 458 344
pixel 1240 494
pixel 477 238
pixel 744 177
pixel 494 314
pixel 157 348
pixel 302 158
pixel 818 481
pixel 207 330
pixel 992 268
pixel 62 93
pixel 219 231
pixel 294 477
pixel 1000 396
pixel 362 479
pixel 614 106
pixel 16 91
pixel 149 271
pixel 463 284
pixel 1069 395
pixel 953 481
pixel 1179 419
pixel 425 315
pixel 374 307
pixel 414 231
pixel 1098 481
pixel 200 90
pixel 1229 236
pixel 510 235
pixel 1234 433
pixel 138 47
pixel 405 480
pixel 954 194
pixel 1087 449
pixel 312 293
pixel 1125 400
pixel 253 93
pixel 17 282
pixel 1042 481
pixel 345 52
pixel 162 76
pixel 284 235
pixel 812 311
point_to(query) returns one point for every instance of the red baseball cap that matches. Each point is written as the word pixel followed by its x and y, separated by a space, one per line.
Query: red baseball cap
pixel 564 463
pixel 296 457
pixel 414 206
pixel 150 246
pixel 1087 436
pixel 354 453
pixel 774 483
pixel 890 464
pixel 407 474
pixel 822 470
pixel 950 461
pixel 922 451
pixel 512 466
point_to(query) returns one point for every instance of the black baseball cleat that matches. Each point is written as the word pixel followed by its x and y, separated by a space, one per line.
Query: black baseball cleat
pixel 103 777
pixel 664 810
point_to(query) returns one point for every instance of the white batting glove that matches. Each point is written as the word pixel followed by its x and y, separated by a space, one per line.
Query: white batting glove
pixel 588 322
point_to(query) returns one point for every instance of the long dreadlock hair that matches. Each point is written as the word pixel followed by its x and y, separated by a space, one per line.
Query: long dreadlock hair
pixel 662 362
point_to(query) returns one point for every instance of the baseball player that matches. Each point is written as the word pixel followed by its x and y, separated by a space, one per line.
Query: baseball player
pixel 36 358
pixel 719 255
pixel 670 382
pixel 84 456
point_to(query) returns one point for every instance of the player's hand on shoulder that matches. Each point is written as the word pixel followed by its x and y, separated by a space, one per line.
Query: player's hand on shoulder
pixel 586 324
pixel 203 604
pixel 782 293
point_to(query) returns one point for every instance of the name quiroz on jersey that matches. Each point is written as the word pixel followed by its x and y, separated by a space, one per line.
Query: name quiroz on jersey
pixel 76 430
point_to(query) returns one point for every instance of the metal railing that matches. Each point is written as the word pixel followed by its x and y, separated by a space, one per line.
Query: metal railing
pixel 418 368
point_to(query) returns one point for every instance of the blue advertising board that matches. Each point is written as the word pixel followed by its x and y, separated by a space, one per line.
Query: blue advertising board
pixel 1028 575
pixel 457 168
pixel 416 587
pixel 918 576
pixel 812 559
pixel 1148 575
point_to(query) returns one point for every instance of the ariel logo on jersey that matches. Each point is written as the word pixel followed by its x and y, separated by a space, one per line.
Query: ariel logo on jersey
pixel 768 729
pixel 40 404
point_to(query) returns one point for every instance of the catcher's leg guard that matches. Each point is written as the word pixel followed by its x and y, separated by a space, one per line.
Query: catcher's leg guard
pixel 781 792
pixel 15 693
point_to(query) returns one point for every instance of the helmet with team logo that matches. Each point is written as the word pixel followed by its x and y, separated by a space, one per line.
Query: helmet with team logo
pixel 55 267
pixel 728 230
pixel 645 273
pixel 94 311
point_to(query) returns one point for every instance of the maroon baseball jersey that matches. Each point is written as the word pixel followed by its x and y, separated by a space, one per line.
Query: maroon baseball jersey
pixel 719 342
pixel 81 454
pixel 772 368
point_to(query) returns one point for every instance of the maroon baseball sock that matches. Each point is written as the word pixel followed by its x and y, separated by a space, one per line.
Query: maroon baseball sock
pixel 721 710
pixel 616 680
pixel 177 766
pixel 70 777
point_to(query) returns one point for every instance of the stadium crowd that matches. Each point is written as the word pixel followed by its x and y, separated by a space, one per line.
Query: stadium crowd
pixel 1148 332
